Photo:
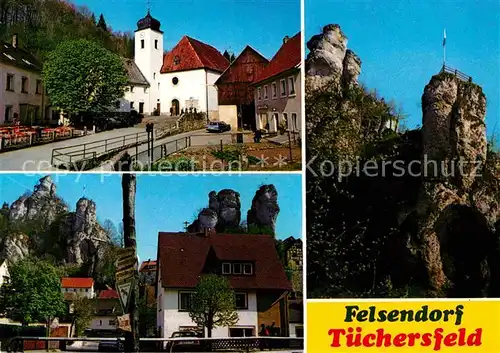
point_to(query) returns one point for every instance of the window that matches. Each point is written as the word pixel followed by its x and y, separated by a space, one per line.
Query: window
pixel 275 90
pixel 131 89
pixel 86 290
pixel 283 88
pixel 226 268
pixel 156 43
pixel 10 83
pixel 247 269
pixel 117 104
pixel 241 301
pixel 111 322
pixel 299 331
pixel 294 122
pixel 237 269
pixel 185 301
pixel 241 332
pixel 100 322
pixel 8 112
pixel 265 92
pixel 131 105
pixel 158 85
pixel 285 119
pixel 154 75
pixel 142 43
pixel 175 81
pixel 291 86
pixel 24 84
pixel 259 93
pixel 38 89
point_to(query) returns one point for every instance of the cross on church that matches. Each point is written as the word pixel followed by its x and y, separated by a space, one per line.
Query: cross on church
pixel 149 5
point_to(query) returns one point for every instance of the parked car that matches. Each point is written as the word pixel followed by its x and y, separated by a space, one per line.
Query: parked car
pixel 111 346
pixel 185 345
pixel 218 126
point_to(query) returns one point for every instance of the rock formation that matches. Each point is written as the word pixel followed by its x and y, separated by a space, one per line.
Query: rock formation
pixel 42 204
pixel 264 211
pixel 85 236
pixel 40 222
pixel 15 247
pixel 223 212
pixel 456 219
pixel 330 60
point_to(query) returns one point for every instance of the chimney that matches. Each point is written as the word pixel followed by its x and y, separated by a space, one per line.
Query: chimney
pixel 14 40
pixel 285 40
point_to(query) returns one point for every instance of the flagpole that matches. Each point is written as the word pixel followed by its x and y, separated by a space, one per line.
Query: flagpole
pixel 444 49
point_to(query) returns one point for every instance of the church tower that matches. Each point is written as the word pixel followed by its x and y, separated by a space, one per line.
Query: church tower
pixel 149 56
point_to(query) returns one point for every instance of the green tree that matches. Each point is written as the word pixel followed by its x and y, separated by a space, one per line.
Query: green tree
pixel 33 293
pixel 102 23
pixel 213 303
pixel 83 76
pixel 147 317
pixel 82 311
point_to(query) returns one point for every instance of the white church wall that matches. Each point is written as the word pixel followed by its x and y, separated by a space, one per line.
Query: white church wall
pixel 190 90
pixel 213 101
pixel 134 99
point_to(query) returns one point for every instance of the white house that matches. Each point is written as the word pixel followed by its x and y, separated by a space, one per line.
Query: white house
pixel 249 262
pixel 21 90
pixel 4 273
pixel 107 308
pixel 183 78
pixel 72 286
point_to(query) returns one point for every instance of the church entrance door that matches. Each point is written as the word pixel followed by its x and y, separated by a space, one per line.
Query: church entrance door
pixel 175 107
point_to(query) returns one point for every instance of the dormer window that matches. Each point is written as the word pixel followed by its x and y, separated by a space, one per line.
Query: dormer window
pixel 177 60
pixel 226 268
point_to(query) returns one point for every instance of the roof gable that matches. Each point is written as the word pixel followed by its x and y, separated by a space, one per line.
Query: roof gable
pixel 183 258
pixel 77 282
pixel 245 68
pixel 288 57
pixel 18 57
pixel 191 54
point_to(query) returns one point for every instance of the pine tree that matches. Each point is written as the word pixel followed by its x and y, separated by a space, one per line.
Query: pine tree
pixel 102 23
pixel 232 58
pixel 93 19
pixel 227 56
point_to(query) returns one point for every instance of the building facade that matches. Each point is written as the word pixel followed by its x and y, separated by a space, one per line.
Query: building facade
pixel 235 91
pixel 249 262
pixel 278 91
pixel 107 308
pixel 21 90
pixel 82 286
pixel 4 273
pixel 183 79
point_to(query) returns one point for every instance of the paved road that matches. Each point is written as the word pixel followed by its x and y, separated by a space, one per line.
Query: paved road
pixel 37 158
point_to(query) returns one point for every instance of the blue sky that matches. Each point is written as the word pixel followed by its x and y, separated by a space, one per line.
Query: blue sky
pixel 224 24
pixel 164 201
pixel 400 44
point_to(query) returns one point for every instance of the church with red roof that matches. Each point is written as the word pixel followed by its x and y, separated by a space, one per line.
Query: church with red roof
pixel 182 79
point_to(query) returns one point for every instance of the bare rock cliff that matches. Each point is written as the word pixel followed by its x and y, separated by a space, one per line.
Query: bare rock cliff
pixel 330 60
pixel 223 212
pixel 265 209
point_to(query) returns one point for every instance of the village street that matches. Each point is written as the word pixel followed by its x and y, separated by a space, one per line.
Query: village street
pixel 38 158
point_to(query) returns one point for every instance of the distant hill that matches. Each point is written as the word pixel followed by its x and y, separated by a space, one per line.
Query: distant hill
pixel 43 24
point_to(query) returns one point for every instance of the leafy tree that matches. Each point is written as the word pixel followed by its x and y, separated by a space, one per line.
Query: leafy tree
pixel 102 23
pixel 115 235
pixel 82 312
pixel 213 303
pixel 33 293
pixel 83 76
pixel 106 269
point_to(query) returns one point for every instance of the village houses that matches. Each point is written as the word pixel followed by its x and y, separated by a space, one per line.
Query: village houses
pixel 82 286
pixel 21 91
pixel 249 262
pixel 278 89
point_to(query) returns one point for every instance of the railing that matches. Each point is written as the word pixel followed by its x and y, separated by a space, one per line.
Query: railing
pixel 161 151
pixel 12 138
pixel 233 344
pixel 67 156
pixel 457 73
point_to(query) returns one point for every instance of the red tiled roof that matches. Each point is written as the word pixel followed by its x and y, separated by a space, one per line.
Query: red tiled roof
pixel 147 263
pixel 77 282
pixel 182 258
pixel 108 294
pixel 193 54
pixel 287 57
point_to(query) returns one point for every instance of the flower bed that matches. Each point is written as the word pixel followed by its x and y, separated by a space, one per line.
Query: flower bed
pixel 20 136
